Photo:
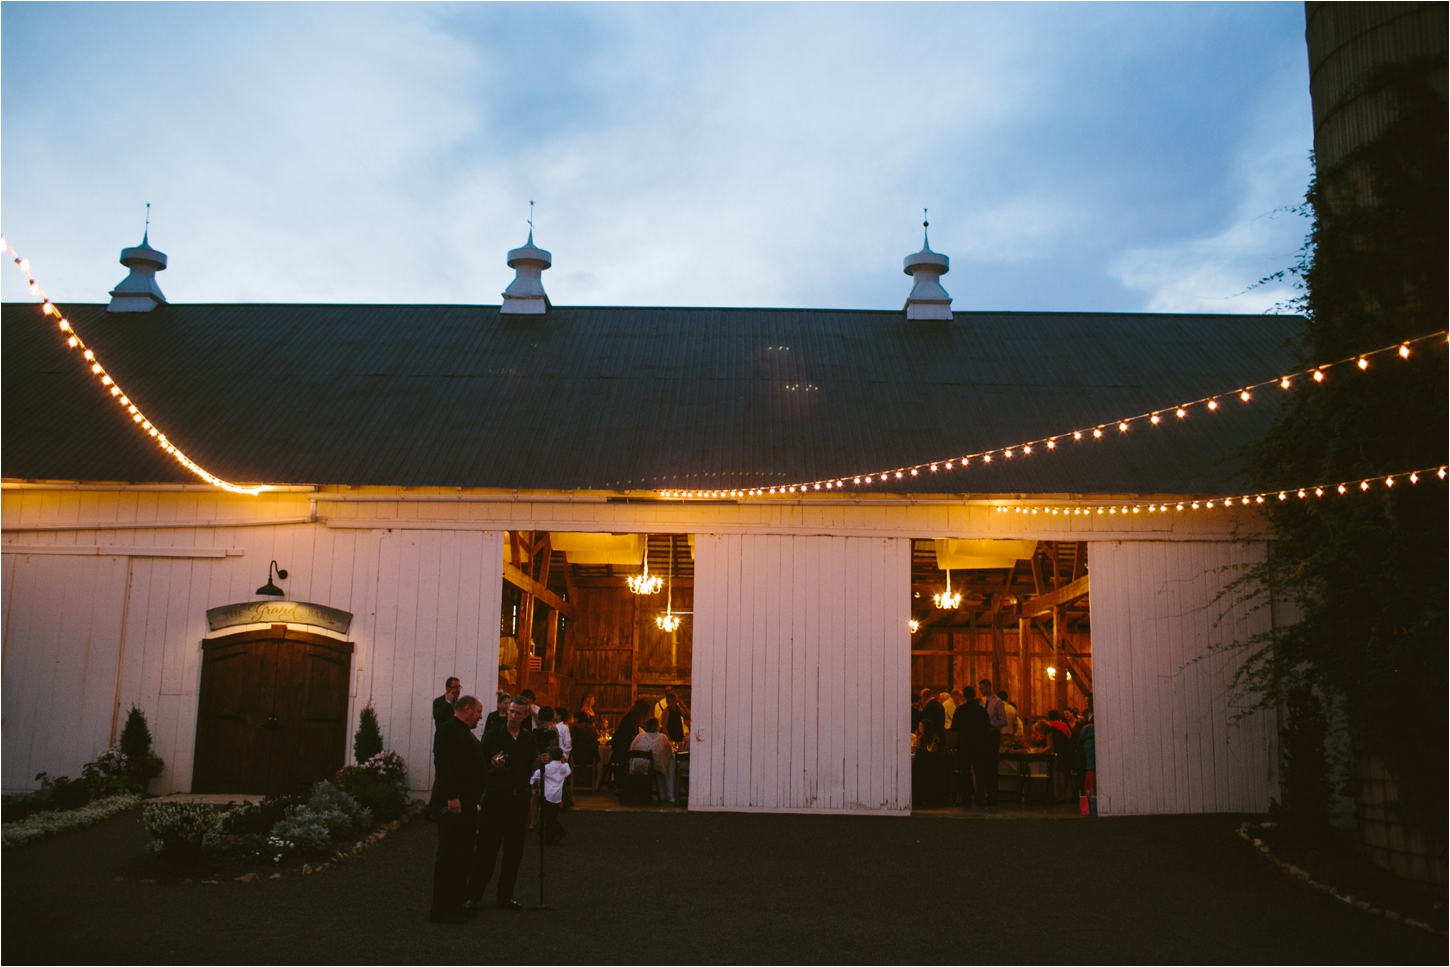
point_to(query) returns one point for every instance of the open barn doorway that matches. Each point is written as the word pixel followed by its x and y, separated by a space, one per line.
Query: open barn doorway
pixel 1015 614
pixel 603 625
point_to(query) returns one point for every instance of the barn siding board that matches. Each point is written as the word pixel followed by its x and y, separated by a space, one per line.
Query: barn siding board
pixel 797 612
pixel 1170 736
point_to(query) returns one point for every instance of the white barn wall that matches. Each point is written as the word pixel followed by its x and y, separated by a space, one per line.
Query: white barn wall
pixel 85 630
pixel 801 674
pixel 1170 734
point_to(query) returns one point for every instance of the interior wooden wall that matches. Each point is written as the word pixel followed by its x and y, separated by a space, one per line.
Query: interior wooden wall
pixel 613 646
pixel 985 639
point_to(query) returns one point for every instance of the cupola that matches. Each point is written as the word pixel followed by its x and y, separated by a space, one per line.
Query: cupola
pixel 525 295
pixel 928 300
pixel 138 292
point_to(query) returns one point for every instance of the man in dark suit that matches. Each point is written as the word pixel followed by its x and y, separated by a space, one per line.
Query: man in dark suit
pixel 933 709
pixel 972 725
pixel 510 758
pixel 443 704
pixel 457 784
pixel 442 713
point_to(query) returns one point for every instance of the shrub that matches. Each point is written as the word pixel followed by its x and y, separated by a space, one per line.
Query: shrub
pixel 258 818
pixel 330 815
pixel 109 775
pixel 179 828
pixel 368 741
pixel 380 784
pixel 142 764
pixel 42 824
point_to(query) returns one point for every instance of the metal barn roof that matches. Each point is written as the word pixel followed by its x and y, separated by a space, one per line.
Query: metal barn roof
pixel 627 398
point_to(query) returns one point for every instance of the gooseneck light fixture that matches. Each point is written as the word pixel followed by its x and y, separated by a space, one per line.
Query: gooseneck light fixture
pixel 669 621
pixel 270 589
pixel 948 600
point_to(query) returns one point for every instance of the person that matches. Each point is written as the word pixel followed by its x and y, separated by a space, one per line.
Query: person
pixel 510 758
pixel 443 713
pixel 932 709
pixel 555 771
pixel 533 720
pixel 624 734
pixel 997 720
pixel 586 707
pixel 1061 743
pixel 972 728
pixel 457 784
pixel 500 714
pixel 676 714
pixel 1089 750
pixel 929 767
pixel 585 740
pixel 949 708
pixel 915 713
pixel 1012 734
pixel 659 710
pixel 655 742
pixel 546 734
pixel 562 718
pixel 443 704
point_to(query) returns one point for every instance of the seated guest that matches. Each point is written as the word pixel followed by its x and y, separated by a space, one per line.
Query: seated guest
pixel 624 734
pixel 655 742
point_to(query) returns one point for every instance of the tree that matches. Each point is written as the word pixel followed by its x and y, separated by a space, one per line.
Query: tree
pixel 368 740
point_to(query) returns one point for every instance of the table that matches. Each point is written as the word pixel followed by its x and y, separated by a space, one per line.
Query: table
pixel 1022 761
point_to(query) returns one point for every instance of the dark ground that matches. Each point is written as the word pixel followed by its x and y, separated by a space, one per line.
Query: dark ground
pixel 724 888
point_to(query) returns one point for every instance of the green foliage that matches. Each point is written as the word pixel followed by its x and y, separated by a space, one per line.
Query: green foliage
pixel 179 829
pixel 40 825
pixel 143 764
pixel 330 816
pixel 1369 572
pixel 258 818
pixel 368 741
pixel 379 783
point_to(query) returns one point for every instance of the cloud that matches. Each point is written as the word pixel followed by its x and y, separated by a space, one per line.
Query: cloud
pixel 680 155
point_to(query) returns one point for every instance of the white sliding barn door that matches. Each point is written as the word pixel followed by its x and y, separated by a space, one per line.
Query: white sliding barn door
pixel 1171 736
pixel 437 612
pixel 62 644
pixel 802 674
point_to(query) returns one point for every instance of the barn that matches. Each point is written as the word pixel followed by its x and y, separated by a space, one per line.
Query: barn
pixel 467 490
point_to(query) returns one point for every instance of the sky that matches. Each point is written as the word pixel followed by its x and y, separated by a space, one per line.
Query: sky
pixel 1077 157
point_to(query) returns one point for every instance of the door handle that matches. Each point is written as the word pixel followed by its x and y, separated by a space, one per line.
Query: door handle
pixel 272 723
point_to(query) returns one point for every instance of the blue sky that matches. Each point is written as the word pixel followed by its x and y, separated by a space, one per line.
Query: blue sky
pixel 1086 156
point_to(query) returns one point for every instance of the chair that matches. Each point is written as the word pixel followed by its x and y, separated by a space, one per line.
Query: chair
pixel 586 774
pixel 638 780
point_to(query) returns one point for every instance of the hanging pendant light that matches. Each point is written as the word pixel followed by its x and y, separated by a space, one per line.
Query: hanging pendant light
pixel 644 583
pixel 669 621
pixel 947 600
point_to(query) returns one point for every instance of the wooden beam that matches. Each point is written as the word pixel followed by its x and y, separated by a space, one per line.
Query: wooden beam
pixel 1067 657
pixel 532 588
pixel 1044 603
pixel 1079 561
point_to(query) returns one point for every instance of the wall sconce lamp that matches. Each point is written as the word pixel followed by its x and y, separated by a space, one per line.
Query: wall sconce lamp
pixel 269 588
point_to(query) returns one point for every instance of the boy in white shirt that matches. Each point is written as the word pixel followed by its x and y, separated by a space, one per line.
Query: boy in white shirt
pixel 555 772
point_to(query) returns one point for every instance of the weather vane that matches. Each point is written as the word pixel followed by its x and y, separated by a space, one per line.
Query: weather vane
pixel 531 215
pixel 148 219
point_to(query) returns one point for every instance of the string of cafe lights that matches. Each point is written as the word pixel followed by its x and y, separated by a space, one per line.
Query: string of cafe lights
pixel 1163 416
pixel 1189 504
pixel 74 341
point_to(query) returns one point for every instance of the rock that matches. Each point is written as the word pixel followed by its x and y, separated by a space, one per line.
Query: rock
pixel 275 876
pixel 1362 904
pixel 1297 873
pixel 1412 922
pixel 306 869
pixel 247 878
pixel 187 881
pixel 145 881
pixel 211 882
pixel 1392 915
pixel 1258 842
pixel 118 879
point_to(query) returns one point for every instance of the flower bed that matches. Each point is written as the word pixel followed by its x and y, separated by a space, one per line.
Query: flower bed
pixel 50 822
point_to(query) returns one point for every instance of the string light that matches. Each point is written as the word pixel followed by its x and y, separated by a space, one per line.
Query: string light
pixel 74 341
pixel 1182 411
pixel 1178 505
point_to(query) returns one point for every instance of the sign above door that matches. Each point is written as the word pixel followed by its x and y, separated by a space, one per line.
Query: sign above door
pixel 278 612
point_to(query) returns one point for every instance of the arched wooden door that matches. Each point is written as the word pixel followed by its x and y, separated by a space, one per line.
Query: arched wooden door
pixel 272 717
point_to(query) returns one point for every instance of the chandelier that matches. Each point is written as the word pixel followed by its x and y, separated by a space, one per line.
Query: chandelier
pixel 947 600
pixel 914 625
pixel 645 583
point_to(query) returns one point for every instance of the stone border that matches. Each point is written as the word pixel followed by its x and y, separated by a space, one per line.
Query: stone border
pixel 1246 833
